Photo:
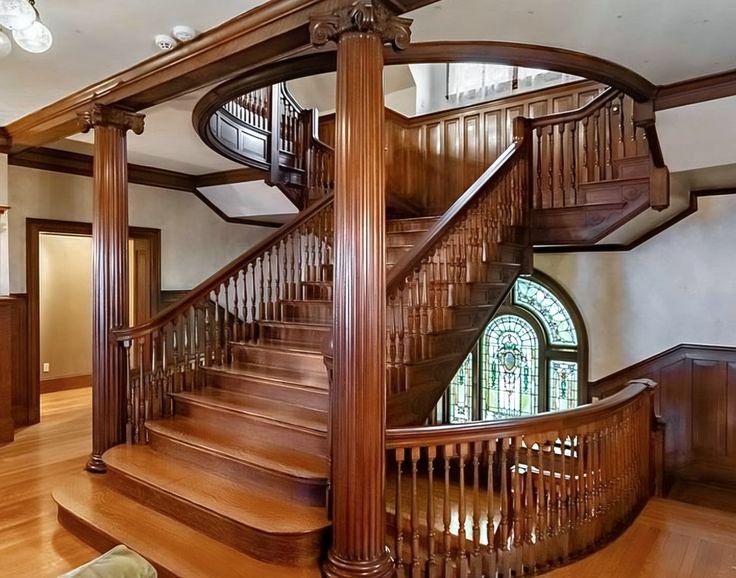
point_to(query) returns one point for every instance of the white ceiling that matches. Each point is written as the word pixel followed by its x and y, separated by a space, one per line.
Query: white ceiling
pixel 663 40
pixel 253 199
pixel 93 40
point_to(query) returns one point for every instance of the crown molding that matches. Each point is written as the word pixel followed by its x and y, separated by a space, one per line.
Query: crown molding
pixel 694 90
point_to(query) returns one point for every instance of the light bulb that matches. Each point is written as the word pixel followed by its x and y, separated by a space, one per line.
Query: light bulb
pixel 6 46
pixel 16 14
pixel 36 38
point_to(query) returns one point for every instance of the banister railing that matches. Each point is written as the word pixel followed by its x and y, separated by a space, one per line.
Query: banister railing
pixel 587 145
pixel 437 274
pixel 268 129
pixel 518 496
pixel 167 353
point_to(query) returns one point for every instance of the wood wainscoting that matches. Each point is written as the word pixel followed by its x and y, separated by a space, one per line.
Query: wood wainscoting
pixel 14 401
pixel 697 397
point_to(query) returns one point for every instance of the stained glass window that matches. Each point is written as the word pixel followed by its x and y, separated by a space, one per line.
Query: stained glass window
pixel 461 393
pixel 510 379
pixel 528 360
pixel 555 318
pixel 563 385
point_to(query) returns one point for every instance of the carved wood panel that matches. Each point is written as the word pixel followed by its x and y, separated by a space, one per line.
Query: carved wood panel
pixel 697 397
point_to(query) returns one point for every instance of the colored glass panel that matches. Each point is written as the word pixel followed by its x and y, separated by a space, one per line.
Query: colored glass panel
pixel 555 318
pixel 563 385
pixel 510 374
pixel 461 393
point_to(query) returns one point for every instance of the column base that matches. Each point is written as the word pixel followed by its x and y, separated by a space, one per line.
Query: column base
pixel 337 567
pixel 95 464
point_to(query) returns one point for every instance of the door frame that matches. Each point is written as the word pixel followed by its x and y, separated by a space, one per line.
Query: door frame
pixel 34 229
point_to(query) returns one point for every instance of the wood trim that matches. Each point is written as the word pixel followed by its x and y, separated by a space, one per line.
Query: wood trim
pixel 694 90
pixel 59 161
pixel 231 177
pixel 4 209
pixel 34 228
pixel 608 248
pixel 65 383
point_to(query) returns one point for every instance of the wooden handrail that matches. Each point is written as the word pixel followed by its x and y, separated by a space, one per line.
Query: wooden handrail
pixel 578 114
pixel 410 260
pixel 204 288
pixel 544 422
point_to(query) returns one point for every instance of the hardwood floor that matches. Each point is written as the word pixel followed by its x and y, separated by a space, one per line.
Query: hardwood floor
pixel 668 539
pixel 32 543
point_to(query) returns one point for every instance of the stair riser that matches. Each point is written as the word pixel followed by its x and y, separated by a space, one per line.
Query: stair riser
pixel 311 398
pixel 307 311
pixel 243 353
pixel 291 549
pixel 311 492
pixel 311 337
pixel 317 290
pixel 466 318
pixel 403 238
pixel 253 428
pixel 393 254
pixel 410 225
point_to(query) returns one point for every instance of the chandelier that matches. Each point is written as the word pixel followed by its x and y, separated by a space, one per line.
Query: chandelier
pixel 22 19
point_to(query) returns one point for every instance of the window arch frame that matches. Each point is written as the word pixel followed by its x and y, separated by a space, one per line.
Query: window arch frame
pixel 547 349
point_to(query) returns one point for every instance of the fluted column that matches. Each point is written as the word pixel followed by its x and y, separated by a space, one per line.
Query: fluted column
pixel 359 388
pixel 109 273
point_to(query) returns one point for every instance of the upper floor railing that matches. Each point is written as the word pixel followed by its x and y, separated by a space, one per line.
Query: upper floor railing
pixel 268 129
pixel 517 496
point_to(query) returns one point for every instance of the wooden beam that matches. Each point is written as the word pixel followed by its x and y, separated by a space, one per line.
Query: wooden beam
pixel 229 177
pixel 270 32
pixel 80 164
pixel 696 90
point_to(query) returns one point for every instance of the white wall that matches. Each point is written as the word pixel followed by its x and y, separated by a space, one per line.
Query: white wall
pixel 195 242
pixel 4 233
pixel 679 287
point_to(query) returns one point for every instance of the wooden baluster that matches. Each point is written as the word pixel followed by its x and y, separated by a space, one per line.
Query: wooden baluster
pixel 252 301
pixel 401 351
pixel 399 523
pixel 586 164
pixel 597 174
pixel 516 515
pixel 490 566
pixel 277 274
pixel 416 570
pixel 476 566
pixel 260 264
pixel 565 505
pixel 621 127
pixel 227 324
pixel 541 506
pixel 609 141
pixel 431 559
pixel 449 452
pixel 539 197
pixel 574 163
pixel 462 514
pixel 551 165
pixel 562 165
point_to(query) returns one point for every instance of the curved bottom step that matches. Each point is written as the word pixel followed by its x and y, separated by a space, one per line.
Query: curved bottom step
pixel 103 517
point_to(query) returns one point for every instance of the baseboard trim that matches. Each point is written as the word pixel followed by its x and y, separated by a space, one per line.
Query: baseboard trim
pixel 66 383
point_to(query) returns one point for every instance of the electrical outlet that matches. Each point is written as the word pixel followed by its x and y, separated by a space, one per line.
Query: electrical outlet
pixel 46 367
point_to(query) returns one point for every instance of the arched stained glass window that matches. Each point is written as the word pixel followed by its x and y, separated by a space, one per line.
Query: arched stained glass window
pixel 528 360
pixel 510 379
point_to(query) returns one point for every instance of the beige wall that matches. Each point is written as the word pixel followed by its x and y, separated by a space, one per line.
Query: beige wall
pixel 679 287
pixel 65 315
pixel 194 241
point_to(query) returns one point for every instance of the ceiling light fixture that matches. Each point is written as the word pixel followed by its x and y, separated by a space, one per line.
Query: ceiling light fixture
pixel 29 32
pixel 179 34
pixel 17 14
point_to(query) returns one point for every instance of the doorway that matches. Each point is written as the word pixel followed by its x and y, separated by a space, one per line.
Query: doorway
pixel 59 285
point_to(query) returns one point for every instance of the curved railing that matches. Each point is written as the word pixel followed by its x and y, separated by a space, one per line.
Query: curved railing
pixel 168 353
pixel 522 495
pixel 267 129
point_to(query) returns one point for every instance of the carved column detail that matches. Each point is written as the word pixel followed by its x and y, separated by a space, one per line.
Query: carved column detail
pixel 109 273
pixel 358 393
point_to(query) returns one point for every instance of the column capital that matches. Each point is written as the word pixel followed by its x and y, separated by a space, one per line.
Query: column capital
pixel 370 16
pixel 110 116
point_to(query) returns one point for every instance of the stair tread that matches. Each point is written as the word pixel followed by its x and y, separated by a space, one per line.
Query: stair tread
pixel 244 503
pixel 300 324
pixel 277 376
pixel 162 540
pixel 279 347
pixel 272 410
pixel 290 462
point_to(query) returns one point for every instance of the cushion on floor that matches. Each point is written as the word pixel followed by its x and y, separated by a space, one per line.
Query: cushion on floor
pixel 120 562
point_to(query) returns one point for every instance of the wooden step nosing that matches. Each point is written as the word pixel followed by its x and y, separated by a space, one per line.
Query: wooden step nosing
pixel 248 413
pixel 290 351
pixel 311 478
pixel 206 509
pixel 276 382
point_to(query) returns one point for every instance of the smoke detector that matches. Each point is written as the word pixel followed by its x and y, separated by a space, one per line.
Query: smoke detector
pixel 184 33
pixel 164 42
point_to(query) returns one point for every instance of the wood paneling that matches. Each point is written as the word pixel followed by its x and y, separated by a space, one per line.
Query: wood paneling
pixel 66 383
pixel 697 395
pixel 14 390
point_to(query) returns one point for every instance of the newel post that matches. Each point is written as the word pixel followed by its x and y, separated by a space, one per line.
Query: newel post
pixel 358 412
pixel 109 272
